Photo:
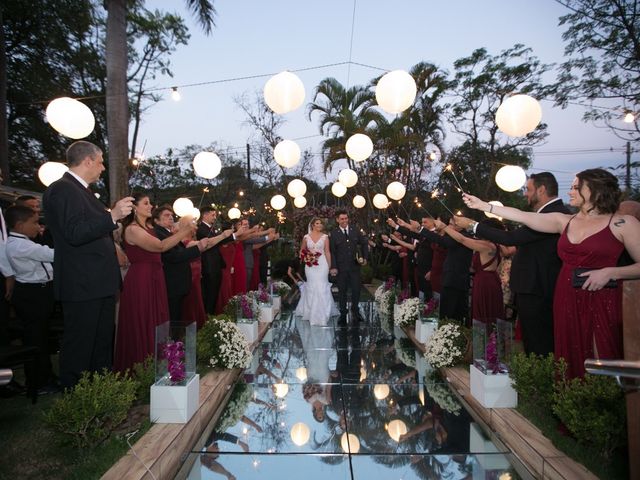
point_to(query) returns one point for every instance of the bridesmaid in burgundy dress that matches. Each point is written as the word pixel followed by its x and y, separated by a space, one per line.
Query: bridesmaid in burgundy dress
pixel 587 316
pixel 228 252
pixel 192 306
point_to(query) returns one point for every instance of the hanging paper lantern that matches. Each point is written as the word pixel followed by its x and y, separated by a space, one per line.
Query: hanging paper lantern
pixel 349 443
pixel 284 92
pixel 49 172
pixel 296 188
pixel 396 91
pixel 300 202
pixel 380 201
pixel 359 147
pixel 183 207
pixel 280 389
pixel 234 213
pixel 301 374
pixel 497 204
pixel 338 189
pixel 381 391
pixel 195 213
pixel 511 178
pixel 396 190
pixel 287 153
pixel 396 428
pixel 518 115
pixel 300 434
pixel 278 202
pixel 359 201
pixel 207 165
pixel 348 177
pixel 70 117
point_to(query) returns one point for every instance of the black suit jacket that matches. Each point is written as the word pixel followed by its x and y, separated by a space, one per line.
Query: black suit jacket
pixel 212 261
pixel 85 266
pixel 175 263
pixel 535 266
pixel 343 252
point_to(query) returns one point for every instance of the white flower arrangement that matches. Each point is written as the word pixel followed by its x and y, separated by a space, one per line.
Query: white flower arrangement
pixel 379 292
pixel 405 353
pixel 408 312
pixel 226 346
pixel 280 288
pixel 446 346
pixel 237 406
pixel 442 395
pixel 234 305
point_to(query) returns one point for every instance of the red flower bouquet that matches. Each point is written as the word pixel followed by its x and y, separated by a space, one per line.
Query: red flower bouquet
pixel 309 258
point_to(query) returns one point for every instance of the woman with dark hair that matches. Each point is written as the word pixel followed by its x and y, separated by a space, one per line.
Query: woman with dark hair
pixel 587 308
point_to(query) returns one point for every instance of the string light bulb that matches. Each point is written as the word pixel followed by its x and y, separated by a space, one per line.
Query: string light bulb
pixel 175 94
pixel 629 117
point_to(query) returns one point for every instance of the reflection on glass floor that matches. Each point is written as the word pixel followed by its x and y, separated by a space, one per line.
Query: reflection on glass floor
pixel 355 401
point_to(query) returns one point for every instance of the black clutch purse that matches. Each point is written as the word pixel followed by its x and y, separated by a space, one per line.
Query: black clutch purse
pixel 577 281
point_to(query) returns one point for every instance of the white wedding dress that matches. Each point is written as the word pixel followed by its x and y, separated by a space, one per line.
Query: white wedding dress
pixel 316 302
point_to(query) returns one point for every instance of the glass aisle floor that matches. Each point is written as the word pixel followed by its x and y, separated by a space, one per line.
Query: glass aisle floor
pixel 314 393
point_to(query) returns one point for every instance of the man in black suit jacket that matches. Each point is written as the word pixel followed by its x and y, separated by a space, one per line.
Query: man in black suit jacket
pixel 349 250
pixel 86 272
pixel 535 266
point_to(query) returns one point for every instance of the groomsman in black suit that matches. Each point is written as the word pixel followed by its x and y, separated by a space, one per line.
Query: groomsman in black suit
pixel 349 250
pixel 86 272
pixel 535 266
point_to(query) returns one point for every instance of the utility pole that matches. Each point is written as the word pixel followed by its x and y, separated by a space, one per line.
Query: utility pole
pixel 249 163
pixel 628 177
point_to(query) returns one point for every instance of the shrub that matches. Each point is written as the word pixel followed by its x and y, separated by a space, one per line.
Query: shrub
pixel 88 414
pixel 534 377
pixel 145 374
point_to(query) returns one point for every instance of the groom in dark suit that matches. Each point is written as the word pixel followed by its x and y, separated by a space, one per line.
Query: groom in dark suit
pixel 86 272
pixel 349 250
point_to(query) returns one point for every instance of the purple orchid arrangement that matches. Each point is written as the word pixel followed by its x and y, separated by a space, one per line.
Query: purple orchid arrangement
pixel 174 353
pixel 430 307
pixel 263 294
pixel 491 354
pixel 404 294
pixel 247 312
pixel 388 285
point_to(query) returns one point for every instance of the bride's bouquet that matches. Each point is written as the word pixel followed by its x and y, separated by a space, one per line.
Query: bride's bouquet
pixel 309 258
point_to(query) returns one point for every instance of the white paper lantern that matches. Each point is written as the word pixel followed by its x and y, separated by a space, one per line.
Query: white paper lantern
pixel 280 389
pixel 300 202
pixel 301 374
pixel 396 428
pixel 49 172
pixel 183 207
pixel 287 153
pixel 511 178
pixel 380 201
pixel 359 201
pixel 300 434
pixel 381 391
pixel 234 213
pixel 396 190
pixel 296 188
pixel 348 177
pixel 359 147
pixel 278 202
pixel 284 92
pixel 338 189
pixel 70 117
pixel 349 443
pixel 207 165
pixel 496 203
pixel 518 115
pixel 396 91
pixel 195 213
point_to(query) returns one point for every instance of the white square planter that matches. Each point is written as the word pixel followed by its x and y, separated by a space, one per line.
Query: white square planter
pixel 276 303
pixel 175 403
pixel 492 391
pixel 266 313
pixel 250 329
pixel 424 330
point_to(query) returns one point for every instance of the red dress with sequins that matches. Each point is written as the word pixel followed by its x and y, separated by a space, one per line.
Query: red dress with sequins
pixel 582 318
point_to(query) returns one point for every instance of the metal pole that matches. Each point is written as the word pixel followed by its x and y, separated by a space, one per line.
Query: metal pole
pixel 628 178
pixel 248 163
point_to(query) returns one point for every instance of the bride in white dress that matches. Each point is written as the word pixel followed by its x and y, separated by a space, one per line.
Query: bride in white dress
pixel 316 301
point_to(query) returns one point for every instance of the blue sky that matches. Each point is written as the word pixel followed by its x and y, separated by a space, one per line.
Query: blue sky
pixel 260 37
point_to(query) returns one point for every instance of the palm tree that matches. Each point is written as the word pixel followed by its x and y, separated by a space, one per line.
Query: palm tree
pixel 117 100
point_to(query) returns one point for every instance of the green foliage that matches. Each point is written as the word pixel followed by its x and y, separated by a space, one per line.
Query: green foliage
pixel 593 409
pixel 145 374
pixel 534 377
pixel 88 414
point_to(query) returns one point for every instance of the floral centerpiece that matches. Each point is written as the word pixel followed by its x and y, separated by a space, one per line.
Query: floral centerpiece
pixel 221 344
pixel 385 296
pixel 309 258
pixel 431 308
pixel 173 352
pixel 236 408
pixel 447 346
pixel 444 397
pixel 408 312
pixel 402 296
pixel 242 306
pixel 263 295
pixel 280 288
pixel 405 351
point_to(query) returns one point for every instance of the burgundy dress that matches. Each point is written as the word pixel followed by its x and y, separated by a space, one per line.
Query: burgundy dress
pixel 582 317
pixel 228 252
pixel 192 306
pixel 239 270
pixel 143 306
pixel 487 302
pixel 439 256
pixel 255 275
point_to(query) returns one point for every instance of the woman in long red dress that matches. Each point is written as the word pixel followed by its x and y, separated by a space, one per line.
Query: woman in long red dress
pixel 143 301
pixel 587 316
pixel 192 305
pixel 228 252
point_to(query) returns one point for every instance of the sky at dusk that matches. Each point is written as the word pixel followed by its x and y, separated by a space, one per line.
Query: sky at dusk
pixel 258 38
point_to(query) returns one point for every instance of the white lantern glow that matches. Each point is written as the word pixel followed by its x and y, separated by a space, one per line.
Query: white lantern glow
pixel 349 443
pixel 207 165
pixel 300 202
pixel 396 190
pixel 359 147
pixel 296 188
pixel 359 201
pixel 511 178
pixel 49 172
pixel 496 203
pixel 287 153
pixel 381 391
pixel 518 115
pixel 380 201
pixel 284 92
pixel 396 91
pixel 280 389
pixel 300 434
pixel 396 428
pixel 183 207
pixel 348 177
pixel 70 117
pixel 195 213
pixel 278 202
pixel 338 189
pixel 301 374
pixel 234 213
